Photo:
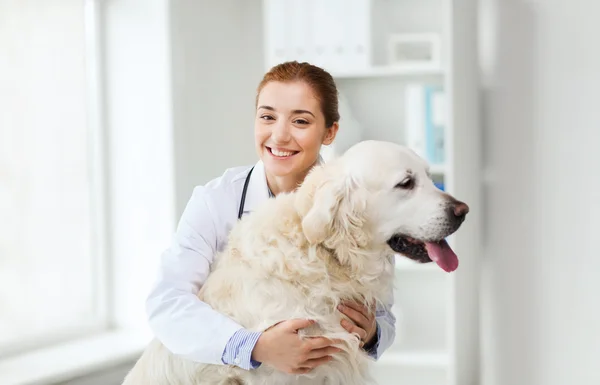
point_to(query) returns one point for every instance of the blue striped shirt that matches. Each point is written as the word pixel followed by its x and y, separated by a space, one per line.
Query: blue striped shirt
pixel 238 350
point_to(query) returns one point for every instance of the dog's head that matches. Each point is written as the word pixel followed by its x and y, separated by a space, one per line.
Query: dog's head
pixel 379 195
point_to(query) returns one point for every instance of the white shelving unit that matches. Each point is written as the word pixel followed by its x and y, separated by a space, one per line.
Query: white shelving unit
pixel 437 312
pixel 389 72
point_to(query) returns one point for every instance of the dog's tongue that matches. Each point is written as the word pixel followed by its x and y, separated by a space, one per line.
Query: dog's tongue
pixel 442 254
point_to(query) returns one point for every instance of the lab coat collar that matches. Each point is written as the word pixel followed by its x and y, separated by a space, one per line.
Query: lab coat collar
pixel 258 190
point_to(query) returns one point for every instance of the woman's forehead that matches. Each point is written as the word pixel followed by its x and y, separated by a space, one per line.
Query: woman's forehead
pixel 288 96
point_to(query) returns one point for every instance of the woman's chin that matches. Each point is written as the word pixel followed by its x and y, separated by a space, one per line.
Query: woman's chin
pixel 279 168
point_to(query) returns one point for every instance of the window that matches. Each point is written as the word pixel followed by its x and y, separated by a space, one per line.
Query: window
pixel 49 260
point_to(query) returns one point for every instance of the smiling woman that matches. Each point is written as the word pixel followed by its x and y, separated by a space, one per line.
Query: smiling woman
pixel 296 113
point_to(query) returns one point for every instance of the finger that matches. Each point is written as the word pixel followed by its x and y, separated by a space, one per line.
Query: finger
pixel 300 371
pixel 361 308
pixel 320 342
pixel 297 324
pixel 323 352
pixel 313 363
pixel 356 316
pixel 351 328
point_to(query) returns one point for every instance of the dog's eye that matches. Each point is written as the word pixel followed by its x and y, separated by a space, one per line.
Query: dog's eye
pixel 406 184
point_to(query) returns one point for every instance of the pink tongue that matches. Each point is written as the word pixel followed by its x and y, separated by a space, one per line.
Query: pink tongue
pixel 442 254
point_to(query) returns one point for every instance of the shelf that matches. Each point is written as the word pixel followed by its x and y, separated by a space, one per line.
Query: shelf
pixel 389 71
pixel 429 359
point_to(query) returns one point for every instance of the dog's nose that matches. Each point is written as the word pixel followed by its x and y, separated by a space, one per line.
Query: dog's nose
pixel 460 209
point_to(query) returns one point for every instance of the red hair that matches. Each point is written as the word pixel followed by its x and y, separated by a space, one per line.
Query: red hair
pixel 318 79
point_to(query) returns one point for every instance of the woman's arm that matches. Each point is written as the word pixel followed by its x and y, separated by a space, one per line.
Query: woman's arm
pixel 386 331
pixel 386 325
pixel 184 324
pixel 376 326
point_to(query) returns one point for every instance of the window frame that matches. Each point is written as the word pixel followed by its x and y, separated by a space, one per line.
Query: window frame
pixel 98 194
pixel 131 117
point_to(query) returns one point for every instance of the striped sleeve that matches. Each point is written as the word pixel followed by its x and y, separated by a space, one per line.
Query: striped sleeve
pixel 238 350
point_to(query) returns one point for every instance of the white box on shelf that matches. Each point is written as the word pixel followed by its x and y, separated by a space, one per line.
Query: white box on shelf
pixel 410 49
pixel 333 34
pixel 328 33
pixel 301 44
pixel 357 23
pixel 277 45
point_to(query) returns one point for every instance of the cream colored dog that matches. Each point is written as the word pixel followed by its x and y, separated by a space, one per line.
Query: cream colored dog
pixel 302 253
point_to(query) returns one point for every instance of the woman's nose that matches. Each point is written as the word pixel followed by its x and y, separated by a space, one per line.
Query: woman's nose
pixel 281 132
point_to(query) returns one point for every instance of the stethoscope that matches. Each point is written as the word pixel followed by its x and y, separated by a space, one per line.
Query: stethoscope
pixel 243 199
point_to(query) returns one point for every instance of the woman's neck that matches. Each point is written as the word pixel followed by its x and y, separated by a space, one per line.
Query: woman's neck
pixel 283 184
pixel 288 183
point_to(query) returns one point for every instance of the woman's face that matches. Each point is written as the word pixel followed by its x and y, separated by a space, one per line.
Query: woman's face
pixel 290 128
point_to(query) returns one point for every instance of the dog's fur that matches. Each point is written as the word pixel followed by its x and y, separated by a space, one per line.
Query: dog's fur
pixel 302 253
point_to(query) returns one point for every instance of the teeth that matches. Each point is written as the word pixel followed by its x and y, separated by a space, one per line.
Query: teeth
pixel 281 153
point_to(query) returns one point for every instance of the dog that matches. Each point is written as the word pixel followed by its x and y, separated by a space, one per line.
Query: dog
pixel 302 253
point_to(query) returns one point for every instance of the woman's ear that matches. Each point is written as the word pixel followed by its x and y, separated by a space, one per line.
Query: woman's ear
pixel 331 133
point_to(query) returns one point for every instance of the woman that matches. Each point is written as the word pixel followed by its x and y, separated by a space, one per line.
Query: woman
pixel 296 113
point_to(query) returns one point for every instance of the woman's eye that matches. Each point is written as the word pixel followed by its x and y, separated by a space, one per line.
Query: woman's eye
pixel 266 117
pixel 406 184
pixel 301 121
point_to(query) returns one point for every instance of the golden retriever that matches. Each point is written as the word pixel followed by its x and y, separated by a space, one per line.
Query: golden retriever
pixel 303 253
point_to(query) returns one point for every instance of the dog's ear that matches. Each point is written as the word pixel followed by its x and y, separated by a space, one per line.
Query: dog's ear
pixel 333 207
pixel 322 198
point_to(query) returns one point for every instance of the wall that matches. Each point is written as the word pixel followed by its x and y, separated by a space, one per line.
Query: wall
pixel 540 67
pixel 217 65
pixel 137 110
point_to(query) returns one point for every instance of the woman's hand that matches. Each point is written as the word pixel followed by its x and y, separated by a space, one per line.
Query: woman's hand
pixel 282 348
pixel 363 321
